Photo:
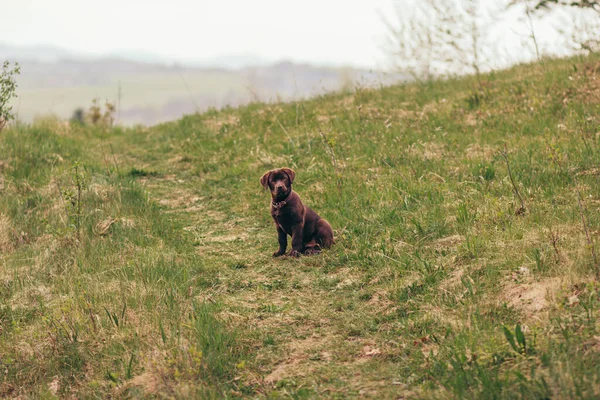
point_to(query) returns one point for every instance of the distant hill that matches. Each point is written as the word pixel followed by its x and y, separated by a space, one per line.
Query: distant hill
pixel 57 81
pixel 49 53
pixel 39 53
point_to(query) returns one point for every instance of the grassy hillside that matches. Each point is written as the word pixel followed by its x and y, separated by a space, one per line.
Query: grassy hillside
pixel 138 262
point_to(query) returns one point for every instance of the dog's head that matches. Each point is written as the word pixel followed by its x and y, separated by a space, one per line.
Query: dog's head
pixel 279 182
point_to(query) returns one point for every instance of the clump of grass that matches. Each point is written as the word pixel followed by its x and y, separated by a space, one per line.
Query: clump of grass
pixel 135 172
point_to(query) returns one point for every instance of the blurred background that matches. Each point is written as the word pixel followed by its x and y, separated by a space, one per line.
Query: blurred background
pixel 156 61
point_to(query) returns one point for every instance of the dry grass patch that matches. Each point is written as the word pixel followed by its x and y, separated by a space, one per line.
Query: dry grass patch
pixel 454 279
pixel 427 150
pixel 216 123
pixel 266 160
pixel 210 237
pixel 181 200
pixel 297 363
pixel 588 91
pixel 448 242
pixel 476 151
pixel 6 245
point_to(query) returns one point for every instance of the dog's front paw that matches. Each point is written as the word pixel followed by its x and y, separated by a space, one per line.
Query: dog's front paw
pixel 294 253
pixel 278 253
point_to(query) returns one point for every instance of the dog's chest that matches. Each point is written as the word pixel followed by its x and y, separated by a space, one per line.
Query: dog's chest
pixel 283 219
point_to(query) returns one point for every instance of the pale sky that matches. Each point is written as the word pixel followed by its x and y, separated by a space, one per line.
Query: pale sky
pixel 318 31
pixel 330 32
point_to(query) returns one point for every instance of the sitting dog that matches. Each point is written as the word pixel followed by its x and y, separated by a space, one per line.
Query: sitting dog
pixel 308 230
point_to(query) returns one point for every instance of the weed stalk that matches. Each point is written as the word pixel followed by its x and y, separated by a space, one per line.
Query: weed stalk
pixel 522 209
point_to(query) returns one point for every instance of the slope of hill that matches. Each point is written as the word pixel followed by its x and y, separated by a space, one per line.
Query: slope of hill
pixel 137 262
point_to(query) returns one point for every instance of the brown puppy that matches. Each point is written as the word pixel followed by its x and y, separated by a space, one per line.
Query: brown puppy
pixel 308 230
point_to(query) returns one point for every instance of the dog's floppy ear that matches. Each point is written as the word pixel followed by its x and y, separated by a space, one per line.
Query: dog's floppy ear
pixel 290 173
pixel 264 180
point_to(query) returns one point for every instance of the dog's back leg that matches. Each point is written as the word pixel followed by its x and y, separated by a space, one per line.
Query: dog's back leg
pixel 324 234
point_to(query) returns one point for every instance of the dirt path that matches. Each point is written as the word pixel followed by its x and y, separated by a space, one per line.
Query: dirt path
pixel 307 323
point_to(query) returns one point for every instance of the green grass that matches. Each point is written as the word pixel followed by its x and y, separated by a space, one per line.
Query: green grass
pixel 147 272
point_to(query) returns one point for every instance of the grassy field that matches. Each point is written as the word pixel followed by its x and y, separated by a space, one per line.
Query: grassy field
pixel 137 262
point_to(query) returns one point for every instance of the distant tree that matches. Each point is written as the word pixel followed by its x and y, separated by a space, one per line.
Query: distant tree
pixel 581 31
pixel 465 27
pixel 545 4
pixel 580 28
pixel 78 116
pixel 413 41
pixel 473 33
pixel 429 38
pixel 98 118
pixel 8 87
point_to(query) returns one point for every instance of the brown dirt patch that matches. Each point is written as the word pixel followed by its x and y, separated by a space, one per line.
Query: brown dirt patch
pixel 532 298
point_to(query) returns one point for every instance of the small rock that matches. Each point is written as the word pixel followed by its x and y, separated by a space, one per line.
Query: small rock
pixel 370 352
pixel 573 300
pixel 54 386
pixel 524 271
